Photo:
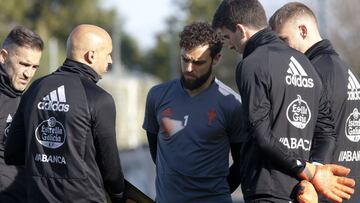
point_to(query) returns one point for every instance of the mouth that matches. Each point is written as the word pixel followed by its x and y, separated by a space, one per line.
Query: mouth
pixel 189 77
pixel 23 81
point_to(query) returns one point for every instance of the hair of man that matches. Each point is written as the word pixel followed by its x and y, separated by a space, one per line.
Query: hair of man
pixel 290 11
pixel 200 34
pixel 246 12
pixel 23 37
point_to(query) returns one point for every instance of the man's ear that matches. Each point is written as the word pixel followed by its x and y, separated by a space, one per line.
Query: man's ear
pixel 3 56
pixel 303 31
pixel 241 30
pixel 216 59
pixel 89 57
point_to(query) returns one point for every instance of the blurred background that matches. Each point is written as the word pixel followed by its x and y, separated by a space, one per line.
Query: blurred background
pixel 145 41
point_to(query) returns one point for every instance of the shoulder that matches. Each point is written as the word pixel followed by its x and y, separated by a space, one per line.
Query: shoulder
pixel 96 93
pixel 159 90
pixel 227 92
pixel 329 62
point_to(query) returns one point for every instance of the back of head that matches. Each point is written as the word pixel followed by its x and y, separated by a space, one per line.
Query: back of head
pixel 200 34
pixel 85 38
pixel 290 11
pixel 246 12
pixel 90 45
pixel 23 37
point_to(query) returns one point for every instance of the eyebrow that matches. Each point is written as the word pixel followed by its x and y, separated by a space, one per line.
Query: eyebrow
pixel 199 61
pixel 27 64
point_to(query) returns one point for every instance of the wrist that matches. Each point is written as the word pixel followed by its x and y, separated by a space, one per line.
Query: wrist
pixel 308 172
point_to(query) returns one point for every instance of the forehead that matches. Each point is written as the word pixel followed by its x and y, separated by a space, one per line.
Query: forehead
pixel 27 54
pixel 201 51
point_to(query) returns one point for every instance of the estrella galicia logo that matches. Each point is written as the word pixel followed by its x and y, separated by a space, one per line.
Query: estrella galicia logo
pixel 352 126
pixel 298 113
pixel 50 133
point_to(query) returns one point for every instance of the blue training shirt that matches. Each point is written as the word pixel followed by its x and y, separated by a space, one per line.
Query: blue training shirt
pixel 194 136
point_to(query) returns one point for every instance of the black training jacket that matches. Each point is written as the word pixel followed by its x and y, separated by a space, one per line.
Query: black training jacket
pixel 11 177
pixel 343 89
pixel 64 132
pixel 284 105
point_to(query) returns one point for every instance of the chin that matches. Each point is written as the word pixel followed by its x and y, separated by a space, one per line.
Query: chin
pixel 20 89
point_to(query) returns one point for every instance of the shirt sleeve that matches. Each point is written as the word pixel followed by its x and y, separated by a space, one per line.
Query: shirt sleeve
pixel 107 155
pixel 151 125
pixel 324 140
pixel 254 90
pixel 236 125
pixel 16 141
pixel 150 122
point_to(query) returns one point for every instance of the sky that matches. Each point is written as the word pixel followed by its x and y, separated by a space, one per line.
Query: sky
pixel 144 18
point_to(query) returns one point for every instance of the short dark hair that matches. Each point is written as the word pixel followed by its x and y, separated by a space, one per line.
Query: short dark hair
pixel 23 37
pixel 247 12
pixel 200 33
pixel 289 11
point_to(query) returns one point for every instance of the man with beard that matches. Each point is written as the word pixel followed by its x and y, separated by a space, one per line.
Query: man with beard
pixel 19 59
pixel 192 123
pixel 296 24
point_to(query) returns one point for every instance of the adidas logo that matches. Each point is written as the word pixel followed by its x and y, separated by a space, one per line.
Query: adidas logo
pixel 55 101
pixel 9 119
pixel 298 76
pixel 353 87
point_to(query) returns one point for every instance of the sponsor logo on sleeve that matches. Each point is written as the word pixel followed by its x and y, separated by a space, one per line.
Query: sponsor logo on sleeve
pixel 297 75
pixel 50 133
pixel 352 126
pixel 353 87
pixel 349 156
pixel 53 159
pixel 296 143
pixel 55 101
pixel 298 113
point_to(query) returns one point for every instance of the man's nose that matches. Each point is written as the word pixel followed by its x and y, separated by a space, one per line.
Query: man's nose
pixel 189 67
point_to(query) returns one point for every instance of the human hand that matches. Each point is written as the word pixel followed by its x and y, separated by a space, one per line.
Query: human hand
pixel 307 193
pixel 330 180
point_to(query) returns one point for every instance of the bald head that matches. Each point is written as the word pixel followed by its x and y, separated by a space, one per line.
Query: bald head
pixel 91 45
pixel 296 24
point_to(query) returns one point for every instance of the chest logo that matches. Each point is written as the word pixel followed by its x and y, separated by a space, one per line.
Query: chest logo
pixel 171 126
pixel 352 126
pixel 353 87
pixel 298 113
pixel 297 75
pixel 50 133
pixel 211 116
pixel 55 101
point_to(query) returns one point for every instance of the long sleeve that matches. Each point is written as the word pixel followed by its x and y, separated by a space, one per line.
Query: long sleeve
pixel 234 177
pixel 152 139
pixel 324 139
pixel 255 90
pixel 16 141
pixel 151 125
pixel 107 155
